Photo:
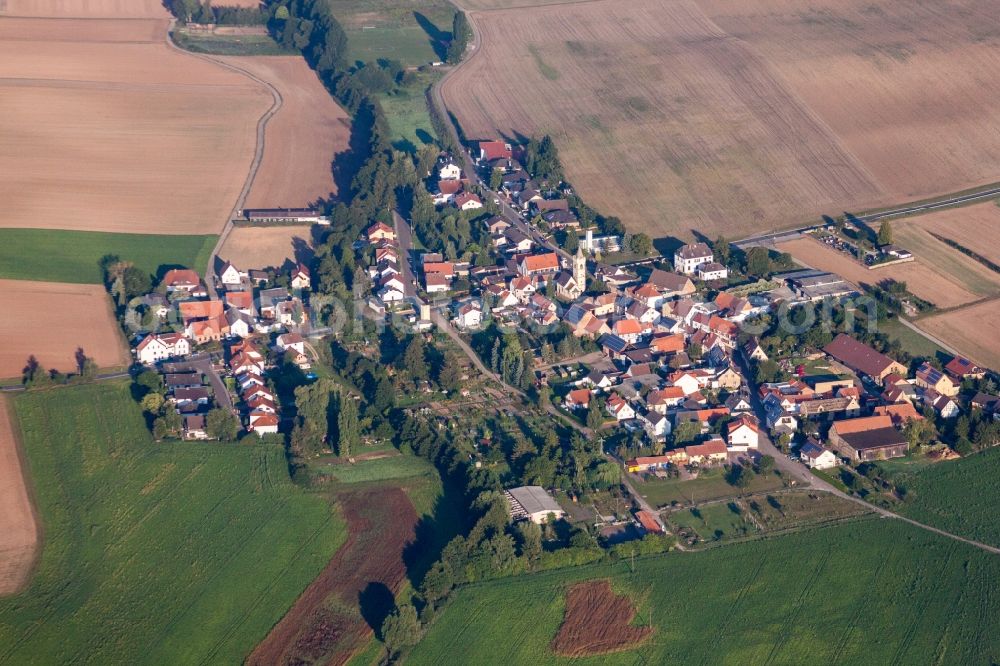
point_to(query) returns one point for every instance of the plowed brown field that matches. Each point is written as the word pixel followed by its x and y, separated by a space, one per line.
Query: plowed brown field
pixel 731 118
pixel 108 129
pixel 597 621
pixel 50 320
pixel 301 139
pixel 18 526
pixel 325 624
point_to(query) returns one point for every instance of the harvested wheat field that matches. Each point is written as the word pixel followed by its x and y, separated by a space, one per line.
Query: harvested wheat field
pixel 111 130
pixel 932 282
pixel 974 227
pixel 260 247
pixel 971 331
pixel 118 9
pixel 50 320
pixel 18 525
pixel 597 621
pixel 67 30
pixel 742 117
pixel 302 137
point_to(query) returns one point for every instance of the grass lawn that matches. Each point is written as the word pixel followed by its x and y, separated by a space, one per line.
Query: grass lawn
pixel 867 592
pixel 715 521
pixel 155 553
pixel 230 45
pixel 709 485
pixel 959 496
pixel 913 342
pixel 414 32
pixel 380 469
pixel 406 111
pixel 55 255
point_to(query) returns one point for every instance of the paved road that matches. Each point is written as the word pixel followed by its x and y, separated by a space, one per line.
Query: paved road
pixel 806 478
pixel 276 103
pixel 404 238
pixel 468 166
pixel 203 363
pixel 946 201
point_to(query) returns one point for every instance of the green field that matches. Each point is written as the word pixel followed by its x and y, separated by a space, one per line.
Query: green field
pixel 913 342
pixel 414 32
pixel 155 553
pixel 235 45
pixel 406 111
pixel 958 496
pixel 72 256
pixel 710 485
pixel 381 469
pixel 868 592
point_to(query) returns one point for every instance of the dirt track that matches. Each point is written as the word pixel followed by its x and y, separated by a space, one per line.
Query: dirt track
pixel 301 139
pixel 19 531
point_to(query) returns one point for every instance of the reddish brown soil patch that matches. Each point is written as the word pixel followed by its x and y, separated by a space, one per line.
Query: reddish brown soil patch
pixel 328 623
pixel 597 622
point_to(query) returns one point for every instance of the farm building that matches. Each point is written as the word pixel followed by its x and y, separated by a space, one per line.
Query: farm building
pixel 532 503
pixel 862 358
pixel 869 438
pixel 283 215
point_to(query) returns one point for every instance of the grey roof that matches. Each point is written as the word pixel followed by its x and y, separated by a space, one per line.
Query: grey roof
pixel 694 251
pixel 533 499
pixel 613 342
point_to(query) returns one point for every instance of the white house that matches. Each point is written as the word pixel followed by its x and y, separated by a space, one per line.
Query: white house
pixel 743 434
pixel 657 425
pixel 230 276
pixel 391 295
pixel 470 315
pixel 817 457
pixel 467 201
pixel 263 423
pixel 712 271
pixel 291 341
pixel 240 324
pixel 449 171
pixel 300 278
pixel 155 347
pixel 689 257
pixel 619 408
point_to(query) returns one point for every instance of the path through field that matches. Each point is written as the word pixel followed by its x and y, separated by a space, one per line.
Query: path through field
pixel 19 531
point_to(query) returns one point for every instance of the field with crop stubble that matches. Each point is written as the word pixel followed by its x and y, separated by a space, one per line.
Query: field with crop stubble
pixel 730 118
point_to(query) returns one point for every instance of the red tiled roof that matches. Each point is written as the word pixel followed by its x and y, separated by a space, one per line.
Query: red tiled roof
pixel 850 426
pixel 548 261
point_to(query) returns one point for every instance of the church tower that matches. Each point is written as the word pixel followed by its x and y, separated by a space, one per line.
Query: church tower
pixel 580 270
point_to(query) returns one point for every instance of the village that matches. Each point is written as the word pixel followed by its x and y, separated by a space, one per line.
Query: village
pixel 214 351
pixel 678 364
